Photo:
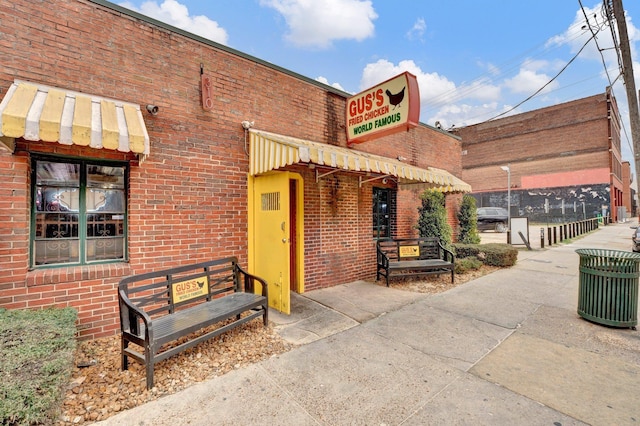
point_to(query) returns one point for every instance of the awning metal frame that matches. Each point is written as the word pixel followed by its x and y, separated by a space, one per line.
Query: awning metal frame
pixel 361 181
pixel 330 172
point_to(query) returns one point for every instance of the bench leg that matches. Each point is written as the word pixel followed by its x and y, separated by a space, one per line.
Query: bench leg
pixel 452 276
pixel 124 362
pixel 148 361
pixel 265 315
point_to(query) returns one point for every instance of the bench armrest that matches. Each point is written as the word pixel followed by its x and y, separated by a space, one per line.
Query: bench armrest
pixel 249 282
pixel 129 315
pixel 447 254
pixel 383 260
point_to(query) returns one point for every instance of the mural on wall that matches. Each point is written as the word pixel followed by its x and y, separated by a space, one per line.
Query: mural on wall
pixel 553 205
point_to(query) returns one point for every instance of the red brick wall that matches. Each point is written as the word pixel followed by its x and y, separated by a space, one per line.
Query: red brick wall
pixel 566 130
pixel 187 201
pixel 570 138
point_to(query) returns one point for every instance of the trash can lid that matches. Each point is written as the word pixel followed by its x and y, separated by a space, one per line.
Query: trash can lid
pixel 618 254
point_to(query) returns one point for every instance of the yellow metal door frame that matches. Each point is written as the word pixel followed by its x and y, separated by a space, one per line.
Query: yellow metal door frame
pixel 273 252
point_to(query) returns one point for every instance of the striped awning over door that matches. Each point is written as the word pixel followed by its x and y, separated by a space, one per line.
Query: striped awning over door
pixel 36 112
pixel 270 151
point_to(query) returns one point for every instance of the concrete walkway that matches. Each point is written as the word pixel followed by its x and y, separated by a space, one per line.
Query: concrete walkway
pixel 507 348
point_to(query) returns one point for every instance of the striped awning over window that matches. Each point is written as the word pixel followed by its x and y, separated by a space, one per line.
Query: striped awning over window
pixel 270 151
pixel 36 112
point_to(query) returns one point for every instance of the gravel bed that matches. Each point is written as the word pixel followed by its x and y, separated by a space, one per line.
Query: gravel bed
pixel 99 389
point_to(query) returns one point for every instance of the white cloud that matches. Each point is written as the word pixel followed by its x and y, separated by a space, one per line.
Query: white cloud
pixel 481 90
pixel 417 31
pixel 320 23
pixel 177 14
pixel 432 85
pixel 529 79
pixel 578 33
pixel 435 89
pixel 325 81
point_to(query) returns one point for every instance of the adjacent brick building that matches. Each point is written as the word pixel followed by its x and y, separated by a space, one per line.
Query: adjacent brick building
pixel 565 161
pixel 97 186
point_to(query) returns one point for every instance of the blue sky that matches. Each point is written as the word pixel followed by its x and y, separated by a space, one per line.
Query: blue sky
pixel 474 59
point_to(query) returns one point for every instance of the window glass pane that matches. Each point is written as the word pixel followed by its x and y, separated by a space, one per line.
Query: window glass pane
pixel 56 225
pixel 105 176
pixel 106 200
pixel 105 225
pixel 57 174
pixel 53 199
pixel 105 248
pixel 56 251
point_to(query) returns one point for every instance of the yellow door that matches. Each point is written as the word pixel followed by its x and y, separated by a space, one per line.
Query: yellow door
pixel 270 236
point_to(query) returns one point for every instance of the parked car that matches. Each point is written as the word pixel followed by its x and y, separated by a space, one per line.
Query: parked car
pixel 636 239
pixel 492 218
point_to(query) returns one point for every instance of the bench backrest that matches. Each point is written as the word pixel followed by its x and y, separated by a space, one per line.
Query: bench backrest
pixel 166 291
pixel 411 248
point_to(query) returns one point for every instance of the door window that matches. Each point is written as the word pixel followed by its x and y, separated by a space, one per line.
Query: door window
pixel 382 212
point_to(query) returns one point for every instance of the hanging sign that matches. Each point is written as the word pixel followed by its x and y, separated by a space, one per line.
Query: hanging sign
pixel 206 88
pixel 390 107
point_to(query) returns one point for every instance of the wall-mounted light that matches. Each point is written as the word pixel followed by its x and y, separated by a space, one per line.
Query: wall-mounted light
pixel 153 109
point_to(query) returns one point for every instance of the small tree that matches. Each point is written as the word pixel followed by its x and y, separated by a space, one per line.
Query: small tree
pixel 432 220
pixel 468 221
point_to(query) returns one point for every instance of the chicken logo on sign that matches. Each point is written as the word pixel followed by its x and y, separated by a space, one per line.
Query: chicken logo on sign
pixel 396 99
pixel 371 114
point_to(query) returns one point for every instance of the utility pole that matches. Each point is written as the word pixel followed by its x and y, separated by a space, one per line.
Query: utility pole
pixel 629 81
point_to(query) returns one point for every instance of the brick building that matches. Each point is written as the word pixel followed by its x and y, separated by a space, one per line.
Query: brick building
pixel 565 161
pixel 125 151
pixel 629 197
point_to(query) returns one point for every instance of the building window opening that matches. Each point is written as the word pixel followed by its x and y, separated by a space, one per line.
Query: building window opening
pixel 79 212
pixel 382 212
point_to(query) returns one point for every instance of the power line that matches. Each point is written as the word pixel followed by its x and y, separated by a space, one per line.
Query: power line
pixel 465 90
pixel 546 84
pixel 606 13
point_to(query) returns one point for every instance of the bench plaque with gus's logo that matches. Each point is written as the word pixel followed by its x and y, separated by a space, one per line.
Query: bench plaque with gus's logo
pixel 189 289
pixel 409 251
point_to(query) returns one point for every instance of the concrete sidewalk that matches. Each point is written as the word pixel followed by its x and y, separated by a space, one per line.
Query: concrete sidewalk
pixel 507 348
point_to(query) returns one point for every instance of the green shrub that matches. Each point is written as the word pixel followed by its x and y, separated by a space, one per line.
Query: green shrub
pixel 36 359
pixel 465 264
pixel 432 220
pixel 494 254
pixel 468 221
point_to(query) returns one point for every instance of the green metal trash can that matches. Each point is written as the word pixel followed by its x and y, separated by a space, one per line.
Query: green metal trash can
pixel 608 287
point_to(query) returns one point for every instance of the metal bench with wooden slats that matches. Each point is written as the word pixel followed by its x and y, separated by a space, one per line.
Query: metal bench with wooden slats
pixel 159 308
pixel 413 257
